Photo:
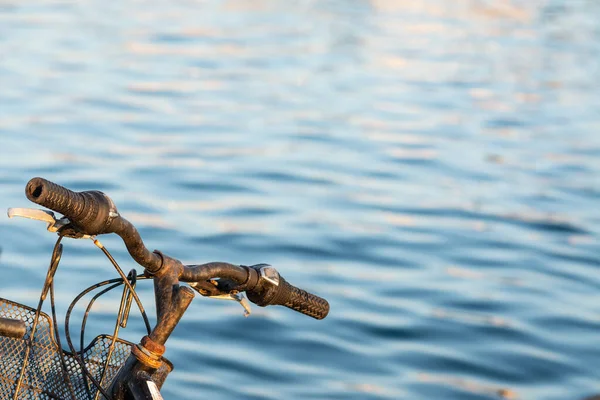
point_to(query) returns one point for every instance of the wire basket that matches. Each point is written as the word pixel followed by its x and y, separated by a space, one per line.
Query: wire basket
pixel 44 376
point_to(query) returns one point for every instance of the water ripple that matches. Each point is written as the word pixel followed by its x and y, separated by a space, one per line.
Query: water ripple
pixel 428 167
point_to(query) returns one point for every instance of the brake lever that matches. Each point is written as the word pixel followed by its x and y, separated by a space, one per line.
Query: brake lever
pixel 209 289
pixel 53 224
pixel 236 296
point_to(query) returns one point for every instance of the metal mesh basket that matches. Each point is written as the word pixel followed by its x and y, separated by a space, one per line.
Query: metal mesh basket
pixel 43 377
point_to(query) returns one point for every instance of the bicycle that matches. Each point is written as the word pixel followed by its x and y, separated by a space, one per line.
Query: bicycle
pixel 33 364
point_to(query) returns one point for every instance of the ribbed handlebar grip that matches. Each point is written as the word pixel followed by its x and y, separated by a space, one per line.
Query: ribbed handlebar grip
pixel 90 211
pixel 300 300
pixel 55 197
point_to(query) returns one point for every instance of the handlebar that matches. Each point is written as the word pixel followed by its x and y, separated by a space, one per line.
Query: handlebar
pixel 94 213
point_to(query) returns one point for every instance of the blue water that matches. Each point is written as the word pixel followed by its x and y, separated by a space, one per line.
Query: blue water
pixel 430 167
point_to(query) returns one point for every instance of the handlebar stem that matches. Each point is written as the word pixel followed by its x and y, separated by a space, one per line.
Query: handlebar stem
pixel 171 299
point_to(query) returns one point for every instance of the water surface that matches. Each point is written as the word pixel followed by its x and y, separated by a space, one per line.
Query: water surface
pixel 431 168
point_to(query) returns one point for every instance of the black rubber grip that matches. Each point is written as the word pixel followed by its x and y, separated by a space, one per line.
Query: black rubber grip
pixel 300 300
pixel 12 328
pixel 89 210
pixel 55 197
